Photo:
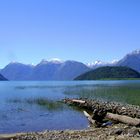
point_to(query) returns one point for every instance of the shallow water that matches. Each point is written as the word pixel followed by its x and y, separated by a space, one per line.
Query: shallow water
pixel 22 108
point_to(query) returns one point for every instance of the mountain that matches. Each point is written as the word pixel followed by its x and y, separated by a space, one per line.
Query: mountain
pixel 56 69
pixel 109 72
pixel 131 60
pixel 69 70
pixel 46 70
pixel 2 78
pixel 17 71
pixel 99 63
pixel 96 64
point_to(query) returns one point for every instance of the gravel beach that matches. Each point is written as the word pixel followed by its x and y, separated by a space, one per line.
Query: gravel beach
pixel 113 131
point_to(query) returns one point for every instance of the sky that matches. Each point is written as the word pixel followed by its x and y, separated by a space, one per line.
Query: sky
pixel 81 30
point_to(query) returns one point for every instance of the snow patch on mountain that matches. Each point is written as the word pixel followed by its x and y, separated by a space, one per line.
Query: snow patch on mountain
pixel 135 52
pixel 56 60
pixel 99 63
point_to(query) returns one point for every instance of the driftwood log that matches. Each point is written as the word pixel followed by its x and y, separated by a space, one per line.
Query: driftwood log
pixel 115 117
pixel 100 112
pixel 123 119
pixel 78 101
pixel 112 107
pixel 89 117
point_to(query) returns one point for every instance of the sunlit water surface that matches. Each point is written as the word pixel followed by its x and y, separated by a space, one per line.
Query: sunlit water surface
pixel 22 106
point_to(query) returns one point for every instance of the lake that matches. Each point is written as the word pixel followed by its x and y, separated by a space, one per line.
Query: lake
pixel 22 106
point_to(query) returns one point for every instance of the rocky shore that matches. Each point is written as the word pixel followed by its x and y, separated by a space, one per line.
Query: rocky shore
pixel 115 132
pixel 111 131
pixel 113 107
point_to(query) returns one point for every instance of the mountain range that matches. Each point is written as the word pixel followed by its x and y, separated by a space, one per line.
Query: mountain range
pixel 45 70
pixel 63 70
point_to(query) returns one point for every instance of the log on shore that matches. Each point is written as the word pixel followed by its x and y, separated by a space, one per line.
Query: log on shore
pixel 112 107
pixel 78 101
pixel 102 110
pixel 123 119
pixel 115 117
pixel 89 118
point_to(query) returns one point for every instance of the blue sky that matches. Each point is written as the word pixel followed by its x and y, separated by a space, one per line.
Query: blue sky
pixel 82 30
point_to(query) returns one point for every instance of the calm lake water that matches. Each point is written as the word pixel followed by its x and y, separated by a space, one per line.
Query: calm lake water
pixel 22 108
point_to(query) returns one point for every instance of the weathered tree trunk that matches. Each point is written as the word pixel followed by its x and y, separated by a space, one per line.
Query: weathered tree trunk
pixel 123 119
pixel 89 117
pixel 78 101
pixel 115 117
pixel 112 107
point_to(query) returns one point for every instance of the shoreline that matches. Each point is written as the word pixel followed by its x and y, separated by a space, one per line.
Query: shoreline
pixel 113 131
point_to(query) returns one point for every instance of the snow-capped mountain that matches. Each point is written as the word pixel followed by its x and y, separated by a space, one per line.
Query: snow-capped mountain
pixel 52 60
pixel 99 63
pixel 56 61
pixel 131 60
pixel 56 69
pixel 53 69
pixel 136 52
pixel 96 64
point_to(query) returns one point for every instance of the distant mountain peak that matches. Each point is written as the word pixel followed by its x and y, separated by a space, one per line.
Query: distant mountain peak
pixel 99 63
pixel 14 62
pixel 56 60
pixel 136 52
pixel 115 61
pixel 44 61
pixel 131 60
pixel 72 61
pixel 52 60
pixel 96 63
pixel 19 63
